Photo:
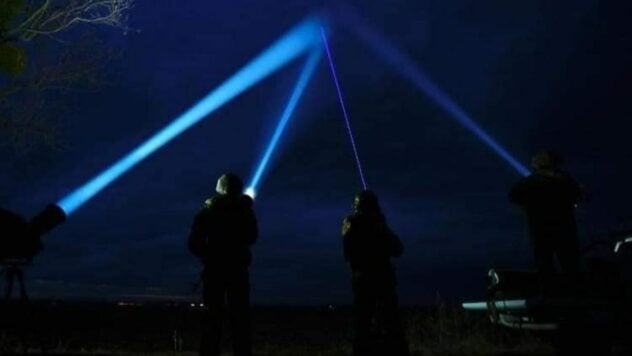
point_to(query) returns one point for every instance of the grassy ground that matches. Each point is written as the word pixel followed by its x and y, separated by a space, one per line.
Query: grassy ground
pixel 160 330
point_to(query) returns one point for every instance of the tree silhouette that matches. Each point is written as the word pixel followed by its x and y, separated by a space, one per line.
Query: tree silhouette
pixel 41 59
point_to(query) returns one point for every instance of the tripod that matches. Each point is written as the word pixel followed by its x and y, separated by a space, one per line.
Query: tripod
pixel 13 269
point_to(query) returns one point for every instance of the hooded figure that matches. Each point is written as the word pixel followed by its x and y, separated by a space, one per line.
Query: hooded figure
pixel 549 197
pixel 220 237
pixel 369 244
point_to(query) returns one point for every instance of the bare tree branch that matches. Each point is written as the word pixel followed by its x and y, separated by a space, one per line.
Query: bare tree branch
pixel 29 101
pixel 53 17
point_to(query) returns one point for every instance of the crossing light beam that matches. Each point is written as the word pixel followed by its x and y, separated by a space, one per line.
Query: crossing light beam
pixel 295 42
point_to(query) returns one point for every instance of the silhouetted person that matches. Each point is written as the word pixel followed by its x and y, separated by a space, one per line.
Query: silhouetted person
pixel 221 236
pixel 549 197
pixel 17 247
pixel 369 245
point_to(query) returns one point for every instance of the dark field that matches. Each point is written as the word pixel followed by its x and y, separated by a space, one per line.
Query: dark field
pixel 83 328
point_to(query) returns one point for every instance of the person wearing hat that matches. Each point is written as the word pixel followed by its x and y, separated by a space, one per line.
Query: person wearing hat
pixel 369 244
pixel 549 197
pixel 221 236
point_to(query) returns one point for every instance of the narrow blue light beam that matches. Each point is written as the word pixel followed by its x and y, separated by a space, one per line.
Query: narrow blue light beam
pixel 409 70
pixel 306 74
pixel 345 114
pixel 295 42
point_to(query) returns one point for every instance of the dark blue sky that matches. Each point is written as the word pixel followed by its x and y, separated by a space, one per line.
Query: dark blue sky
pixel 533 73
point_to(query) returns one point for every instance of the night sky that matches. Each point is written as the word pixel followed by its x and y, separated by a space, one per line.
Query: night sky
pixel 535 74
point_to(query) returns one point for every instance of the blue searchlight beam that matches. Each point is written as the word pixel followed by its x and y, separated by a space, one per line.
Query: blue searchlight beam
pixel 299 39
pixel 407 68
pixel 306 74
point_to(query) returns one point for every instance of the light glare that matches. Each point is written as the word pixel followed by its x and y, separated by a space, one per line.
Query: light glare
pixel 250 191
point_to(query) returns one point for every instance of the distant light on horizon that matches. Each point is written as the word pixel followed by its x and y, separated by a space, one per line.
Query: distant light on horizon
pixel 295 42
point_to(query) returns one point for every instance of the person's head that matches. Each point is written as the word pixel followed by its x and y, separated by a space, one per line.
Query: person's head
pixel 366 202
pixel 229 184
pixel 546 161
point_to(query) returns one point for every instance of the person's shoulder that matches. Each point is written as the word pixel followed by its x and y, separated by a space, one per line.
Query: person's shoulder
pixel 567 177
pixel 529 179
pixel 556 178
pixel 349 219
pixel 246 201
pixel 227 202
pixel 347 222
pixel 536 180
pixel 211 204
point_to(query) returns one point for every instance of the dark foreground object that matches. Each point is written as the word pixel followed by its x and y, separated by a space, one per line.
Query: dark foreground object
pixel 84 328
pixel 585 314
pixel 21 238
pixel 221 236
pixel 20 242
pixel 369 244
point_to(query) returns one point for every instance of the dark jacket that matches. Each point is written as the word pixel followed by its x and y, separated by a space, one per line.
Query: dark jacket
pixel 549 202
pixel 368 242
pixel 223 232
